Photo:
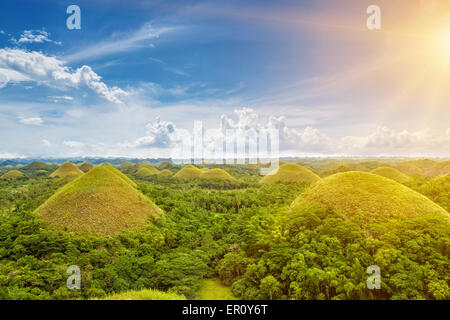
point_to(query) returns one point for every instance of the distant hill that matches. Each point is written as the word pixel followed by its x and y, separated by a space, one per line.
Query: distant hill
pixel 341 168
pixel 391 173
pixel 67 171
pixel 86 166
pixel 165 173
pixel 439 169
pixel 215 174
pixel 188 172
pixel 409 169
pixel 36 165
pixel 438 190
pixel 146 165
pixel 166 165
pixel 421 163
pixel 371 196
pixel 12 175
pixel 145 172
pixel 291 172
pixel 126 166
pixel 100 202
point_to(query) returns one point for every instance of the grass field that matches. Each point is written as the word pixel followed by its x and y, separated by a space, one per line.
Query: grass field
pixel 213 289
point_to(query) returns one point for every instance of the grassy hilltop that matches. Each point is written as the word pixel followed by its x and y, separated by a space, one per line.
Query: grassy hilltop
pixel 67 171
pixel 372 196
pixel 103 201
pixel 291 172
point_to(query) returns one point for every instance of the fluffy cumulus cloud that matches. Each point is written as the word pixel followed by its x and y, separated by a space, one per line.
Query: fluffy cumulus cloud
pixel 306 140
pixel 159 134
pixel 386 141
pixel 18 65
pixel 31 36
pixel 239 129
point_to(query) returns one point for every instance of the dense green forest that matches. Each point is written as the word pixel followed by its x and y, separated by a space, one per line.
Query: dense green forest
pixel 236 230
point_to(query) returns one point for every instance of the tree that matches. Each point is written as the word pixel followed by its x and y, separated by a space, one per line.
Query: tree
pixel 270 288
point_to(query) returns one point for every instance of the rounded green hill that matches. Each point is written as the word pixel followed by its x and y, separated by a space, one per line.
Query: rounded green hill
pixel 166 165
pixel 215 173
pixel 146 165
pixel 341 168
pixel 374 197
pixel 439 169
pixel 86 166
pixel 67 171
pixel 391 173
pixel 438 190
pixel 421 163
pixel 12 175
pixel 165 173
pixel 145 172
pixel 409 169
pixel 188 172
pixel 99 202
pixel 126 166
pixel 121 175
pixel 36 165
pixel 291 172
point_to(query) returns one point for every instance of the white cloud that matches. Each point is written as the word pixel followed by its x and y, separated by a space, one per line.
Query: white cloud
pixel 57 99
pixel 61 98
pixel 34 36
pixel 46 143
pixel 122 43
pixel 387 141
pixel 18 65
pixel 306 140
pixel 36 121
pixel 2 32
pixel 73 144
pixel 160 134
pixel 7 155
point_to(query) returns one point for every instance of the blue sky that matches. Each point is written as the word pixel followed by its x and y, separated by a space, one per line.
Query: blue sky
pixel 139 71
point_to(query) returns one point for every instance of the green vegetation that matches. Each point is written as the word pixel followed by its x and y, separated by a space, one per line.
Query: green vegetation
pixel 291 172
pixel 126 167
pixel 213 289
pixel 67 171
pixel 36 165
pixel 146 165
pixel 369 196
pixel 392 174
pixel 215 174
pixel 438 190
pixel 338 169
pixel 146 294
pixel 165 173
pixel 99 202
pixel 166 165
pixel 222 238
pixel 188 172
pixel 13 174
pixel 145 172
